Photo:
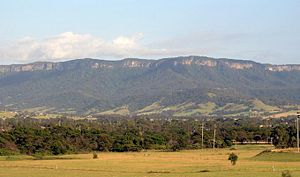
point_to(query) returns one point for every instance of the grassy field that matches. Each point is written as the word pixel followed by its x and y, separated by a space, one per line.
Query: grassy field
pixel 204 163
pixel 259 105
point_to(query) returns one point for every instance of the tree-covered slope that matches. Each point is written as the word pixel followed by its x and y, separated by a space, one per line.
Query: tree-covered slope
pixel 94 86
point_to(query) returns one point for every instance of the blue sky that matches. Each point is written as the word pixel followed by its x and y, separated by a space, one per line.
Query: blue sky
pixel 55 30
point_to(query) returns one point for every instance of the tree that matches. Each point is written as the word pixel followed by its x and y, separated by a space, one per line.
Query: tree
pixel 233 158
pixel 257 138
pixel 242 136
pixel 280 137
pixel 104 142
pixel 58 148
pixel 173 145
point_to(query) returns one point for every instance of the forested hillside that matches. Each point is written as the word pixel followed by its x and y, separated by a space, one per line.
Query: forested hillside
pixel 174 86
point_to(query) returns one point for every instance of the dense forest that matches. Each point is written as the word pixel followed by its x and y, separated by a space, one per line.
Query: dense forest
pixel 24 135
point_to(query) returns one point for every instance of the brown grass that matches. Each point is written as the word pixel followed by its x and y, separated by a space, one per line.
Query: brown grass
pixel 206 163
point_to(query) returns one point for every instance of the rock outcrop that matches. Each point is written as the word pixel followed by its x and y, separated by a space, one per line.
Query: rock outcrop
pixel 141 63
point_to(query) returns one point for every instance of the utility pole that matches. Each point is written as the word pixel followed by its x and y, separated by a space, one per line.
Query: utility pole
pixel 298 116
pixel 202 135
pixel 214 142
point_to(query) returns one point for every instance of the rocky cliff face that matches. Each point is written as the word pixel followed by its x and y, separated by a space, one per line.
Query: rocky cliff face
pixel 282 68
pixel 209 62
pixel 140 63
pixel 39 66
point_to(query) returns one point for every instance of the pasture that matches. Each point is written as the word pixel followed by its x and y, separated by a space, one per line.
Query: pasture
pixel 204 163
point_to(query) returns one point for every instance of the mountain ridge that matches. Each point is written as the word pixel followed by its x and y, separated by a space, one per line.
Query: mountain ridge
pixel 135 62
pixel 92 86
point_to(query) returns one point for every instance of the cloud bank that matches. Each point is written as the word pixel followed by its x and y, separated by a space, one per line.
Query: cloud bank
pixel 70 45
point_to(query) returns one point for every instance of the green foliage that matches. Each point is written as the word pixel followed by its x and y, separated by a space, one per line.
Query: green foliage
pixel 38 156
pixel 7 152
pixel 174 145
pixel 233 158
pixel 49 137
pixel 58 148
pixel 284 136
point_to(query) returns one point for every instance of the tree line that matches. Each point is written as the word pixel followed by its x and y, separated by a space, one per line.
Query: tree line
pixel 25 135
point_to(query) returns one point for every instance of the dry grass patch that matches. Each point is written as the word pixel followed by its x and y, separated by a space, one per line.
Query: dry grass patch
pixel 206 163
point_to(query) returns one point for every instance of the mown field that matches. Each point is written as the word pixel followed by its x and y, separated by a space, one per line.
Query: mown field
pixel 204 163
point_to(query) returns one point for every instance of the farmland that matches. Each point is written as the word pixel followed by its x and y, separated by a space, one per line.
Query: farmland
pixel 206 163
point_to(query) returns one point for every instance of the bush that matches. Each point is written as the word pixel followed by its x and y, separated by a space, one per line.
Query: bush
pixel 286 174
pixel 233 158
pixel 38 156
pixel 173 146
pixel 6 152
pixel 95 155
pixel 58 148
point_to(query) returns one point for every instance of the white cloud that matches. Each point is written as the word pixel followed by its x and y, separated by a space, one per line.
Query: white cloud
pixel 70 45
pixel 125 42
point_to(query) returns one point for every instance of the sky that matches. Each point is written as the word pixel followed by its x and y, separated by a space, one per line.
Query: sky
pixel 266 31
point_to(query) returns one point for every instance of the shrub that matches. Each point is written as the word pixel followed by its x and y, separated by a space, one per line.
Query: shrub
pixel 6 152
pixel 233 158
pixel 95 155
pixel 58 148
pixel 38 157
pixel 286 173
pixel 173 145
